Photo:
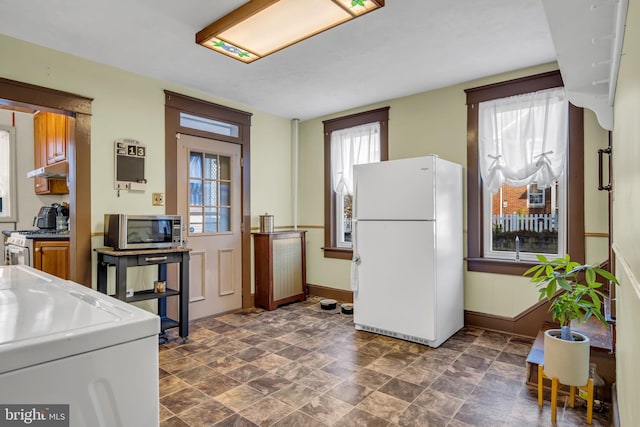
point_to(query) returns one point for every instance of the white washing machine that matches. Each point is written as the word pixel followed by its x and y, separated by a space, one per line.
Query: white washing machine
pixel 64 344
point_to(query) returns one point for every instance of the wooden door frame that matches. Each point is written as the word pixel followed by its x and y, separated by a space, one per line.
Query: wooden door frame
pixel 24 95
pixel 175 104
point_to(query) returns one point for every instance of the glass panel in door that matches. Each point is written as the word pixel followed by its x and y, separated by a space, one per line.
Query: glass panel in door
pixel 209 193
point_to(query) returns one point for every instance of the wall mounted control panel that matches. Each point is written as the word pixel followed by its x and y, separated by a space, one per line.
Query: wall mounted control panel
pixel 130 156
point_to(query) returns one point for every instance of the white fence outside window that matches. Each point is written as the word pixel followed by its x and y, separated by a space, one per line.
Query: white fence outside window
pixel 515 222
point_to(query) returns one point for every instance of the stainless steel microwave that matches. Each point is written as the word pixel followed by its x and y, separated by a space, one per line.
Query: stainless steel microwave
pixel 123 231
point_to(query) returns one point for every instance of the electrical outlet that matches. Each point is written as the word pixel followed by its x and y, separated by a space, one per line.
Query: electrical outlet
pixel 157 199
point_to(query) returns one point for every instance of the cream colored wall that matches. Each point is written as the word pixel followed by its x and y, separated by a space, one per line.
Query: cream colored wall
pixel 435 122
pixel 132 106
pixel 596 213
pixel 271 163
pixel 128 105
pixel 626 233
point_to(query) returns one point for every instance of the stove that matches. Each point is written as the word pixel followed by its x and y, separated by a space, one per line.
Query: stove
pixel 19 245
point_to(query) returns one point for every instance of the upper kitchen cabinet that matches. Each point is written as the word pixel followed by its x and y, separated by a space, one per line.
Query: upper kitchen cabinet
pixel 52 133
pixel 57 137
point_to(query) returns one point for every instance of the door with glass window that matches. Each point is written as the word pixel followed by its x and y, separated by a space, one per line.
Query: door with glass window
pixel 209 188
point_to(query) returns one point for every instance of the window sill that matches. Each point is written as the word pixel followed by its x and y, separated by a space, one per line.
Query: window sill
pixel 338 253
pixel 499 266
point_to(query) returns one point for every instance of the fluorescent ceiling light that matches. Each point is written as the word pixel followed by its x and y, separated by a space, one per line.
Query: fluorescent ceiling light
pixel 260 27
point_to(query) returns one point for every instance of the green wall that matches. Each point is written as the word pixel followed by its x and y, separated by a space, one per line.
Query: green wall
pixel 127 105
pixel 436 122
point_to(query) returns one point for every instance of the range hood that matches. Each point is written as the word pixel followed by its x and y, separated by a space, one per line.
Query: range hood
pixel 58 170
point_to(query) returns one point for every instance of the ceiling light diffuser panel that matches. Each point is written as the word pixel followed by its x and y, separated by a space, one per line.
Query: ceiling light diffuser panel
pixel 261 27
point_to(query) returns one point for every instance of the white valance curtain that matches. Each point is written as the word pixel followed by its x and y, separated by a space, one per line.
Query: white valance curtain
pixel 352 146
pixel 523 139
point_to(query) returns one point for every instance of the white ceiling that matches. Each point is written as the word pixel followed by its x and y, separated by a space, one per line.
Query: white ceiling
pixel 407 47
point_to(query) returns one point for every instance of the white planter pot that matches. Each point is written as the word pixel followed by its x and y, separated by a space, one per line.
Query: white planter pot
pixel 566 360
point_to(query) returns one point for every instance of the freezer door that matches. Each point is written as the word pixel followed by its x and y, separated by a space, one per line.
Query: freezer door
pixel 396 189
pixel 396 277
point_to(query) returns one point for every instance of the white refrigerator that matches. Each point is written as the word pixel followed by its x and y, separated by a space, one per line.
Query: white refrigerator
pixel 407 269
pixel 72 354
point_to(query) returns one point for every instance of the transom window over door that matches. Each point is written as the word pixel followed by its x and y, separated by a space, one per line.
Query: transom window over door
pixel 209 125
pixel 209 193
pixel 355 139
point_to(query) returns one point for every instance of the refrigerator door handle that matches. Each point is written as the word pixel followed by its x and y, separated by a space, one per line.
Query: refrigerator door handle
pixel 355 262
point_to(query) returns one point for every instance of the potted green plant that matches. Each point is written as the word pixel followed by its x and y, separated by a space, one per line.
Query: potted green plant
pixel 566 352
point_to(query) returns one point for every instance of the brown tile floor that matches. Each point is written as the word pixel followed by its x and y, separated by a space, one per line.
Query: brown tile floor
pixel 303 366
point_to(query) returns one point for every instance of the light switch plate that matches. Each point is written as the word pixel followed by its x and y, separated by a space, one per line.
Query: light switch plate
pixel 157 199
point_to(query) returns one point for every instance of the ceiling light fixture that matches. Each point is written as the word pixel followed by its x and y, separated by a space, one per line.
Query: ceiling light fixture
pixel 261 27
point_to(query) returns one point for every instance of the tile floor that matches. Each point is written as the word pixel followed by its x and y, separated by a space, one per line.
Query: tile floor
pixel 303 366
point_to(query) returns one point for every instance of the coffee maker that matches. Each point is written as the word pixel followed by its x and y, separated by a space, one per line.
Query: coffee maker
pixel 53 217
pixel 46 218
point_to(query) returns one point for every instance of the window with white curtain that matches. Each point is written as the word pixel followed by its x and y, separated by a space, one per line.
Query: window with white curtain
pixel 522 157
pixel 350 146
pixel 8 212
pixel 352 139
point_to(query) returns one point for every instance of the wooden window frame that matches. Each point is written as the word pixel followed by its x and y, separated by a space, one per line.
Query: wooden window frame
pixel 575 175
pixel 380 115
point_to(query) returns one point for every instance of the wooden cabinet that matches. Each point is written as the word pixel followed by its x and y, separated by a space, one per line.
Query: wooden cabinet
pixel 52 256
pixel 280 272
pixel 51 133
pixel 56 142
pixel 50 186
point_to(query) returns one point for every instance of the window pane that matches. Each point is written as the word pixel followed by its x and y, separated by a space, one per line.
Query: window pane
pixel 210 166
pixel 211 220
pixel 195 192
pixel 225 219
pixel 195 165
pixel 347 218
pixel 210 193
pixel 195 220
pixel 536 226
pixel 210 196
pixel 208 125
pixel 225 168
pixel 343 220
pixel 225 191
